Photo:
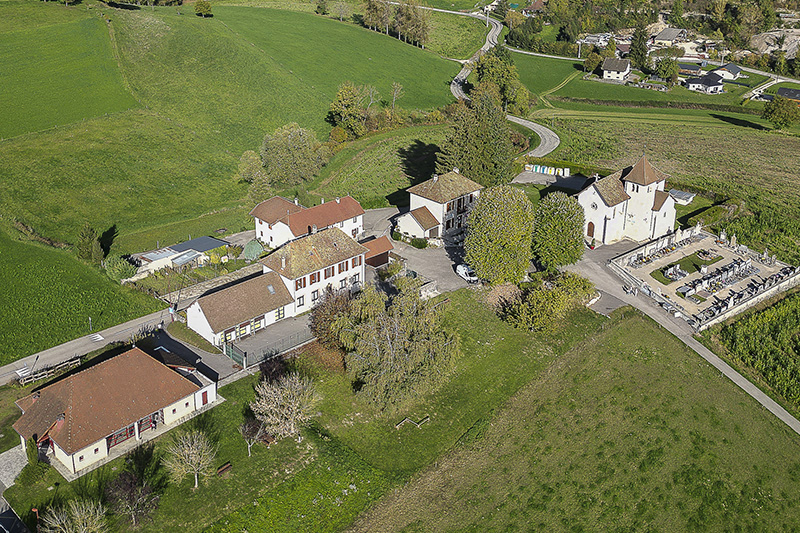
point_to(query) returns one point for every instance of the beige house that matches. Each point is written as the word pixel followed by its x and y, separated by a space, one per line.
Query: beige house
pixel 439 207
pixel 616 69
pixel 80 419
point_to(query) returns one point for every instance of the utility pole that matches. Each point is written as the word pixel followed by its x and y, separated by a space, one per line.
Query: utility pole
pixel 90 324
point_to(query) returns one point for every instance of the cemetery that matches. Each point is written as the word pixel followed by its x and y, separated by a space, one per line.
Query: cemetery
pixel 704 278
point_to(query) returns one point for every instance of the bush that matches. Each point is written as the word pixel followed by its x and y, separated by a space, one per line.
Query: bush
pixel 119 268
pixel 397 236
pixel 541 307
pixel 338 135
pixel 419 243
pixel 202 8
pixel 31 474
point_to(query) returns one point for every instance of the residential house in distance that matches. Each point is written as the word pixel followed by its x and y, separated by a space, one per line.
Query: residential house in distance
pixel 240 310
pixel 80 419
pixel 729 72
pixel 616 69
pixel 791 94
pixel 711 83
pixel 689 69
pixel 309 265
pixel 630 203
pixel 535 8
pixel 279 221
pixel 439 206
pixel 669 37
pixel 192 252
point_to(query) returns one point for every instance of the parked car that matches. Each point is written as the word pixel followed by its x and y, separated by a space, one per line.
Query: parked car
pixel 466 273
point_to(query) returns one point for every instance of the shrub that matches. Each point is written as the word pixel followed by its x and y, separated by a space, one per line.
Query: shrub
pixel 338 135
pixel 541 307
pixel 119 268
pixel 397 236
pixel 416 242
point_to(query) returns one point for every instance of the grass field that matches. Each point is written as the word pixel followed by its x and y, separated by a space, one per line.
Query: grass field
pixel 57 75
pixel 455 36
pixel 377 170
pixel 628 431
pixel 540 74
pixel 48 296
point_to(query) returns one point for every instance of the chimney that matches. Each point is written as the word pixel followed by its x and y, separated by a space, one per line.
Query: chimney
pixel 435 178
pixel 321 201
pixel 296 201
pixel 283 262
pixel 313 229
pixel 456 171
pixel 338 200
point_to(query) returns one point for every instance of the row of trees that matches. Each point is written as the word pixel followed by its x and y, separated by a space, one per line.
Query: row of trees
pixel 506 233
pixel 396 348
pixel 405 19
pixel 497 70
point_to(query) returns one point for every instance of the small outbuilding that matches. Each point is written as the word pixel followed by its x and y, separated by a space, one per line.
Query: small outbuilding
pixel 378 254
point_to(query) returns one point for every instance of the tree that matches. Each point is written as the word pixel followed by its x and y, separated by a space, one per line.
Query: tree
pixel 346 109
pixel 500 228
pixel 558 231
pixel 342 9
pixel 371 17
pixel 250 167
pixel 676 17
pixel 397 93
pixel 292 155
pixel 540 308
pixel 88 246
pixel 286 404
pixel 332 305
pixel 131 497
pixel 514 19
pixel 639 48
pixel 610 50
pixel 501 9
pixel 252 430
pixel 592 61
pixel 119 268
pixel 78 516
pixel 398 349
pixel 202 8
pixel 190 453
pixel 32 451
pixel 782 112
pixel 667 69
pixel 478 144
pixel 322 7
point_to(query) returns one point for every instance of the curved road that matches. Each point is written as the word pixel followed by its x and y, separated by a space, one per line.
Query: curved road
pixel 549 139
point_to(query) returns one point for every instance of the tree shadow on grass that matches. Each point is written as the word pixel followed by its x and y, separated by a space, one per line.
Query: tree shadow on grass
pixel 145 463
pixel 106 239
pixel 418 162
pixel 738 122
pixel 207 424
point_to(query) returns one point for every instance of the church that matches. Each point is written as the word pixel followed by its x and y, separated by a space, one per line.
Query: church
pixel 630 203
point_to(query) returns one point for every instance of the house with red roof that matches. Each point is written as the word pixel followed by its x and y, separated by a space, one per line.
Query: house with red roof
pixel 279 221
pixel 82 420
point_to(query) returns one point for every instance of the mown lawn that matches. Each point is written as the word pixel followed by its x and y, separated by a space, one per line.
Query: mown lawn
pixel 377 170
pixel 540 74
pixel 455 36
pixel 48 296
pixel 58 74
pixel 628 431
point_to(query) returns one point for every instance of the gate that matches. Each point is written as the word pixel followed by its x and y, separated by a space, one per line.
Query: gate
pixel 236 355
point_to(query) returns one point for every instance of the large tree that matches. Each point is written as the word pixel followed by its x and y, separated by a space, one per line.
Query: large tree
pixel 131 497
pixel 638 52
pixel 558 231
pixel 292 155
pixel 332 305
pixel 500 229
pixel 284 405
pixel 88 246
pixel 478 144
pixel 667 69
pixel 398 349
pixel 189 454
pixel 82 516
pixel 782 112
pixel 347 110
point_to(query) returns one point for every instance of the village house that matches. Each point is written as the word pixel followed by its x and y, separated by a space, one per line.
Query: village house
pixel 240 310
pixel 630 203
pixel 309 265
pixel 279 221
pixel 616 69
pixel 728 72
pixel 439 207
pixel 80 419
pixel 192 253
pixel 535 8
pixel 711 83
pixel 669 37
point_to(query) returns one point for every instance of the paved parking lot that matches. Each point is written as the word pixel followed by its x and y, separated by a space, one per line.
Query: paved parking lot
pixel 436 264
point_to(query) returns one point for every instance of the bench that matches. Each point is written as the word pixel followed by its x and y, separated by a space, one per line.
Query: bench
pixel 267 439
pixel 224 469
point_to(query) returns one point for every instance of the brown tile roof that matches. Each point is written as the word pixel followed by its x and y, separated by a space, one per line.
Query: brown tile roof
pixel 377 246
pixel 312 253
pixel 643 173
pixel 658 201
pixel 100 400
pixel 616 65
pixel 442 189
pixel 244 301
pixel 274 209
pixel 424 218
pixel 611 189
pixel 323 215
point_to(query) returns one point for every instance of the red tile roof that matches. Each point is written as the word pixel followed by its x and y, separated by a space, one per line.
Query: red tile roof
pixel 659 200
pixel 424 218
pixel 87 406
pixel 323 215
pixel 377 246
pixel 274 209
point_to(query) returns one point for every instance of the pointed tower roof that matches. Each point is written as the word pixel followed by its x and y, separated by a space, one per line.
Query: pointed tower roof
pixel 643 173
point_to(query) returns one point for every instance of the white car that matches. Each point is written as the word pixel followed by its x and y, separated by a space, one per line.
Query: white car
pixel 466 273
